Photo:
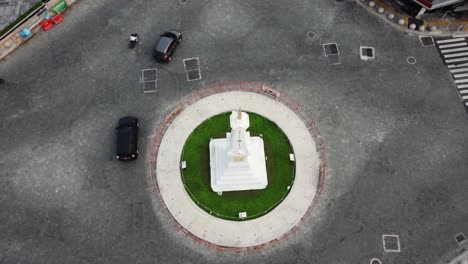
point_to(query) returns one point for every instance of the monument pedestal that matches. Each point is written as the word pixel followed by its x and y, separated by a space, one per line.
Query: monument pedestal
pixel 237 162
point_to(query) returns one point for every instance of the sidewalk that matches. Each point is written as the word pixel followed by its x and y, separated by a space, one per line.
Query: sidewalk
pixel 432 25
pixel 461 259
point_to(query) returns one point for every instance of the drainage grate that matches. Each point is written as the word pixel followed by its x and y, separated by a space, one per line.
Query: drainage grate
pixel 149 75
pixel 193 75
pixel 191 64
pixel 330 49
pixel 411 60
pixel 311 34
pixel 149 78
pixel 334 59
pixel 426 41
pixel 460 238
pixel 367 53
pixel 192 69
pixel 391 243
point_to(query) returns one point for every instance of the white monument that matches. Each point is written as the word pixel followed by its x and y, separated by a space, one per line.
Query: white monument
pixel 237 162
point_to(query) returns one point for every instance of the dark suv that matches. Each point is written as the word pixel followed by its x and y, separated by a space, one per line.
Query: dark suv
pixel 167 43
pixel 127 138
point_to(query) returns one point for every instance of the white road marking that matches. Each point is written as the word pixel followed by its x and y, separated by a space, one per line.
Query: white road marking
pixel 453 50
pixel 456 55
pixel 463 92
pixel 461 81
pixel 460 75
pixel 449 40
pixel 461 86
pixel 452 45
pixel 457 65
pixel 457 60
pixel 459 70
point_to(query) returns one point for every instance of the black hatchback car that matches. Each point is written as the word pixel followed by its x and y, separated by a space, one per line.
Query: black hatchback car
pixel 167 43
pixel 127 138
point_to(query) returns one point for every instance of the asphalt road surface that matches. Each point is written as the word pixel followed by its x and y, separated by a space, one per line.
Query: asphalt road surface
pixel 396 133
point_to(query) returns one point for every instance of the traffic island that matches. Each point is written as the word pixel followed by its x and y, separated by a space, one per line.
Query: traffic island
pixel 166 162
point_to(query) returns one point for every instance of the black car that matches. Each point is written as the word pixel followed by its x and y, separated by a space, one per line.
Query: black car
pixel 168 42
pixel 127 138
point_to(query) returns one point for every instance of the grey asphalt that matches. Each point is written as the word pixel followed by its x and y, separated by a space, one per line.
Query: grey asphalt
pixel 396 133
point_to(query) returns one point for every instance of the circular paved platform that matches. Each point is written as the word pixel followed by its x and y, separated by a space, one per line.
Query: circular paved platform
pixel 236 234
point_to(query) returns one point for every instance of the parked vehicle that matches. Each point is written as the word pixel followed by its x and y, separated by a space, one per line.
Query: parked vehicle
pixel 166 45
pixel 127 138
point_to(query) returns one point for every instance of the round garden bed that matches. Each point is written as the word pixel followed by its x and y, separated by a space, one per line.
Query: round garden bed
pixel 196 177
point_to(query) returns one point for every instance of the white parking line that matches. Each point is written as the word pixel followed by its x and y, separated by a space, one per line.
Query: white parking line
pixel 449 40
pixel 456 55
pixel 453 50
pixel 452 45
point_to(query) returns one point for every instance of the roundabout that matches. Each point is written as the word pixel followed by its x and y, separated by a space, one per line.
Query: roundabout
pixel 284 219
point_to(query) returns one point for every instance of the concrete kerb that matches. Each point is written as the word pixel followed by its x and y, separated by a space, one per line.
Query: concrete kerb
pixel 255 87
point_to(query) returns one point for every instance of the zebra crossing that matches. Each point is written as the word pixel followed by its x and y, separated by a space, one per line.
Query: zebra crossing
pixel 454 52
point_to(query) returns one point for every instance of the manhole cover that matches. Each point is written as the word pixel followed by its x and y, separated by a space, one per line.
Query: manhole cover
pixel 311 34
pixel 391 243
pixel 334 59
pixel 367 53
pixel 149 74
pixel 411 60
pixel 375 261
pixel 183 1
pixel 150 87
pixel 426 41
pixel 460 238
pixel 191 64
pixel 193 75
pixel 330 49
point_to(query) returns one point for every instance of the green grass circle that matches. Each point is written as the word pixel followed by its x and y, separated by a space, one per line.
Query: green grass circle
pixel 196 177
